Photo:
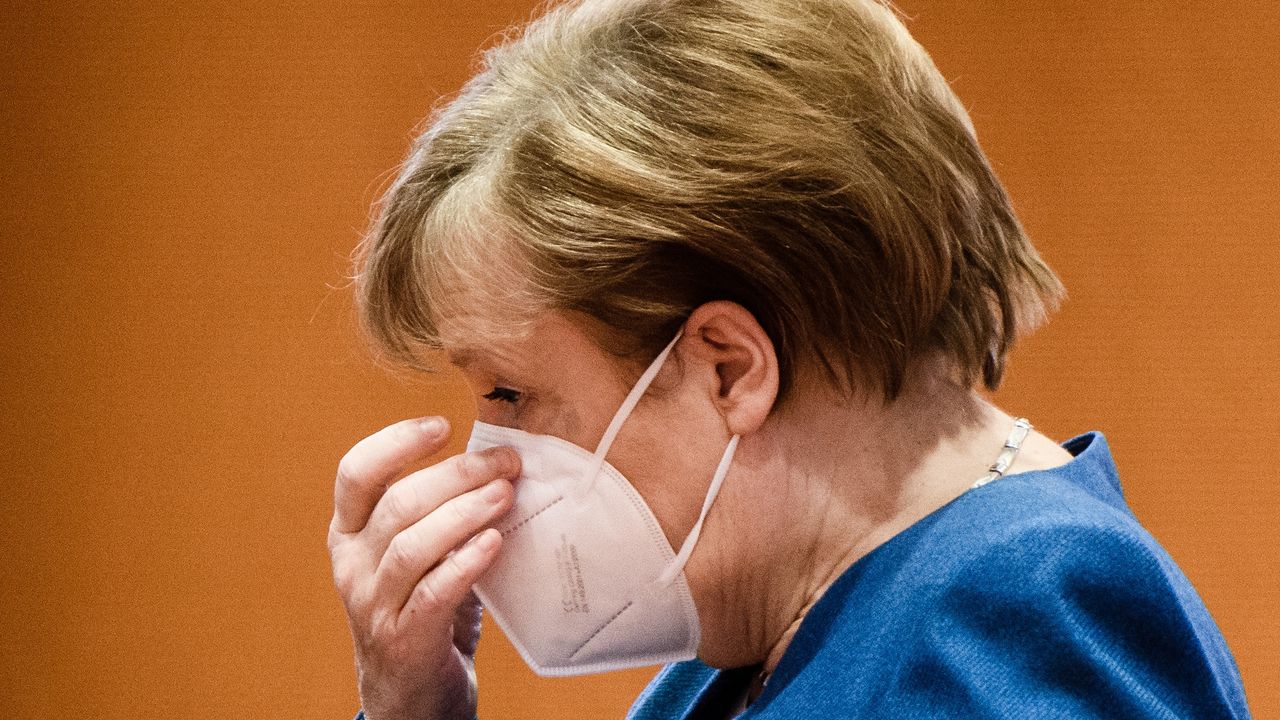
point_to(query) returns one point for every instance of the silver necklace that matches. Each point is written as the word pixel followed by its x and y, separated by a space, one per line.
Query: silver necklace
pixel 1021 428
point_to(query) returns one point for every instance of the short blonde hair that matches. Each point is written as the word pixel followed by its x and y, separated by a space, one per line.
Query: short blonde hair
pixel 633 160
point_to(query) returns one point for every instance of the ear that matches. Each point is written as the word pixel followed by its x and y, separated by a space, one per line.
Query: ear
pixel 725 337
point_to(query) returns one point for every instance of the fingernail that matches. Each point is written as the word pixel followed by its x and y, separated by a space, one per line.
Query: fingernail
pixel 485 541
pixel 499 455
pixel 493 492
pixel 432 425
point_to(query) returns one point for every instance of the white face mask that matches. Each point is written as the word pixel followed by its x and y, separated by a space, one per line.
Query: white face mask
pixel 586 581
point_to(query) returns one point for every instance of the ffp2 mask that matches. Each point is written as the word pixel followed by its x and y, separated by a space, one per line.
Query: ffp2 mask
pixel 586 580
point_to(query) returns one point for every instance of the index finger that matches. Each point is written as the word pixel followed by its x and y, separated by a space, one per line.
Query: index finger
pixel 371 464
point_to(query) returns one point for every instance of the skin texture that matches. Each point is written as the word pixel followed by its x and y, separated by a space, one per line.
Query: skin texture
pixel 838 476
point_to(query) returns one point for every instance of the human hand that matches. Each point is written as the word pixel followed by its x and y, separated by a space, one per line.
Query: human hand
pixel 405 553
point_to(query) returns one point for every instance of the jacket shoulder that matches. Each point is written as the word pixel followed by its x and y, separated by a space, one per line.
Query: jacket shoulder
pixel 1036 599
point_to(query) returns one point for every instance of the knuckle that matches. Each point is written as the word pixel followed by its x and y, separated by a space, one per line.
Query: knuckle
pixel 403 502
pixel 400 501
pixel 343 580
pixel 403 551
pixel 352 467
pixel 353 590
pixel 360 603
pixel 382 627
pixel 428 596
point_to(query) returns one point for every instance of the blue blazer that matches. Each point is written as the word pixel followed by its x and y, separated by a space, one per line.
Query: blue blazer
pixel 1038 595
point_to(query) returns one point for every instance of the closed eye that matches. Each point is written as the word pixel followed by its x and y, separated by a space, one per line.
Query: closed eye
pixel 503 394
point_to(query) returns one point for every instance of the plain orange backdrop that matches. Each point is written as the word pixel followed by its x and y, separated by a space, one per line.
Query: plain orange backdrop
pixel 183 183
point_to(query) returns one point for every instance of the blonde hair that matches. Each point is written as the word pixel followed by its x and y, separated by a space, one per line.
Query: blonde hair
pixel 633 160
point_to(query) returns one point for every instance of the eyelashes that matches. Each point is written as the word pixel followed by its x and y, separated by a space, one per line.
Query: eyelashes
pixel 503 394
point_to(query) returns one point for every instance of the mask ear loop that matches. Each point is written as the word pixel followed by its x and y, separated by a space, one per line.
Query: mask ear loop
pixel 629 404
pixel 686 549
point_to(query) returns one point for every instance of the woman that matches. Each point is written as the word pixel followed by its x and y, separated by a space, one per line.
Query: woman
pixel 725 275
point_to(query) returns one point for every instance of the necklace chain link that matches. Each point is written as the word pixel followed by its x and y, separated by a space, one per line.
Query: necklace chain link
pixel 1021 428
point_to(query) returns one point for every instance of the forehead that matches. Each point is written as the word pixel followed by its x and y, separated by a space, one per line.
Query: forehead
pixel 552 342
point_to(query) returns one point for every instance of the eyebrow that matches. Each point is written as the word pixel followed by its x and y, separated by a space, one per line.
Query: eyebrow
pixel 462 358
pixel 468 356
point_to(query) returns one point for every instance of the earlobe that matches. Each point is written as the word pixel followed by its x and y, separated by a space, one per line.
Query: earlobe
pixel 731 340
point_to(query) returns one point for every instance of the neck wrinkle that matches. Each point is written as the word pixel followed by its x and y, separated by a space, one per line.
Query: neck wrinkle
pixel 843 478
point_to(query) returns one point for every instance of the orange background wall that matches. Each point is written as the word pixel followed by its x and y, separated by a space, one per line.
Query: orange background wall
pixel 182 184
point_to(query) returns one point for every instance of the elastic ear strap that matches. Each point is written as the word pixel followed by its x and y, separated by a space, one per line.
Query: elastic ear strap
pixel 677 563
pixel 629 404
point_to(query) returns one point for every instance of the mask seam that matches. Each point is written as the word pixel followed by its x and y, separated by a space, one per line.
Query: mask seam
pixel 633 496
pixel 525 521
pixel 601 629
pixel 628 490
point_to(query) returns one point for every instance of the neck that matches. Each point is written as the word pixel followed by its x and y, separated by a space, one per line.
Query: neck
pixel 839 478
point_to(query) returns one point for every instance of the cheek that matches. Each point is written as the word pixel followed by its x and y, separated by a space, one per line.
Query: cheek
pixel 670 462
pixel 561 419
